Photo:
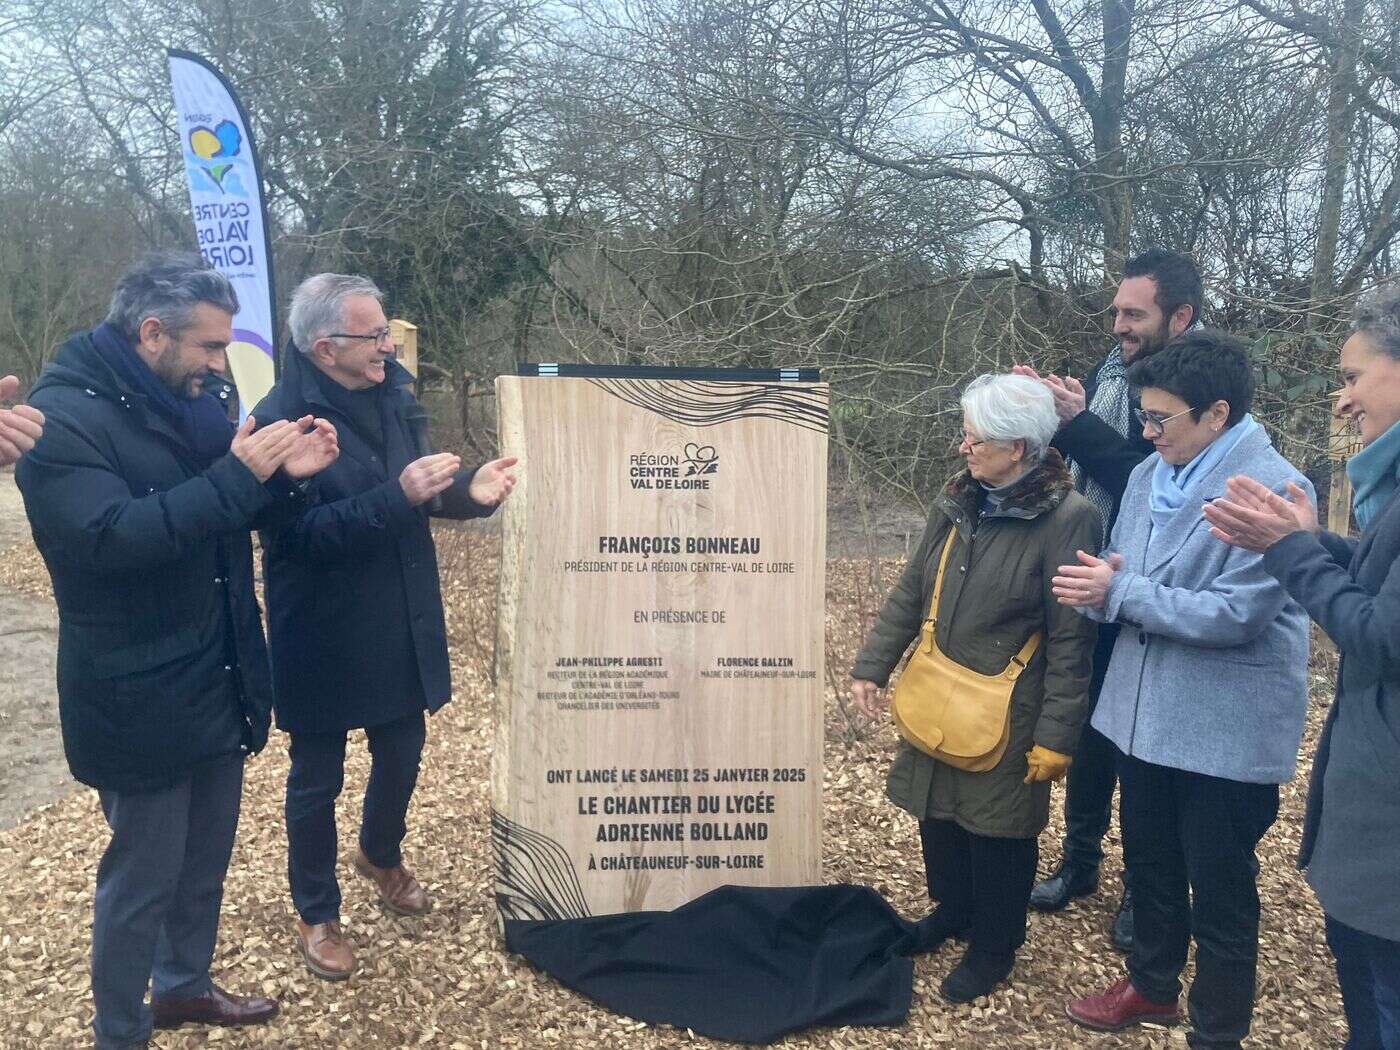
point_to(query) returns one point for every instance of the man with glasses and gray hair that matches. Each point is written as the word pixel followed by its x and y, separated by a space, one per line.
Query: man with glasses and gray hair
pixel 142 496
pixel 1158 299
pixel 355 619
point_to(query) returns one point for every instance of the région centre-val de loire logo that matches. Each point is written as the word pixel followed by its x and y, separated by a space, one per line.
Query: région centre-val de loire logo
pixel 223 192
pixel 690 469
pixel 215 151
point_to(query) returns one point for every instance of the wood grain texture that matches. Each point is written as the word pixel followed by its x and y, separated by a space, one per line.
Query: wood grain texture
pixel 632 681
pixel 1343 443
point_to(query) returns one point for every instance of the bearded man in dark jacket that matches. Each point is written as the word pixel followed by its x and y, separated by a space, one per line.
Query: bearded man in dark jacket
pixel 1158 299
pixel 355 619
pixel 141 496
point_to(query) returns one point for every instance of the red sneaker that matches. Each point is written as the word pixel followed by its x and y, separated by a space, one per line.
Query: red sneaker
pixel 1120 1007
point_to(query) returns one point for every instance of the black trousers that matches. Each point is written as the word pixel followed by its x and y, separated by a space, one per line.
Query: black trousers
pixel 1092 778
pixel 982 885
pixel 314 783
pixel 1188 841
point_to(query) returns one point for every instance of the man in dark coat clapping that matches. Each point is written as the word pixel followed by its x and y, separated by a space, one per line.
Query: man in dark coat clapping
pixel 1158 299
pixel 141 495
pixel 355 620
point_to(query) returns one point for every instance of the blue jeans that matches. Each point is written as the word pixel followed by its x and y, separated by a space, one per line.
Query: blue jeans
pixel 159 887
pixel 1368 969
pixel 314 783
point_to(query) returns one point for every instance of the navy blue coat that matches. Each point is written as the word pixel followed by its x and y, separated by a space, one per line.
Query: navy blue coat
pixel 161 659
pixel 355 622
pixel 1351 830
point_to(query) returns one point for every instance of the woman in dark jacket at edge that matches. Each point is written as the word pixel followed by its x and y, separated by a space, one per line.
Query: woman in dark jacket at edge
pixel 1016 517
pixel 1351 832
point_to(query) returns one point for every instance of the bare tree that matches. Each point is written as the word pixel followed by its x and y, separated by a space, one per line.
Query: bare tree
pixel 902 192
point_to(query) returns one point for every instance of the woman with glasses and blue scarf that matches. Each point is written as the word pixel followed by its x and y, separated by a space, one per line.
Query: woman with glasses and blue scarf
pixel 1205 694
pixel 1351 832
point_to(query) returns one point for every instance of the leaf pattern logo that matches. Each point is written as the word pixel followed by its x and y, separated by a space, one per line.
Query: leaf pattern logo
pixel 700 459
pixel 216 149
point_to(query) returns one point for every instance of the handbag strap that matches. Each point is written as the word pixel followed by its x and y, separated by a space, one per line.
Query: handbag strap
pixel 1027 653
pixel 1021 659
pixel 938 580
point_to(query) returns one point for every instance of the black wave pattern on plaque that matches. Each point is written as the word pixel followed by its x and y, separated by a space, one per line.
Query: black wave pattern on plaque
pixel 701 404
pixel 535 879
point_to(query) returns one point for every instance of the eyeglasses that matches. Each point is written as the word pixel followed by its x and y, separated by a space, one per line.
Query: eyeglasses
pixel 1154 424
pixel 381 336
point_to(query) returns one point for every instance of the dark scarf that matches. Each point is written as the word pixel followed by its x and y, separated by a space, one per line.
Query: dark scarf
pixel 992 496
pixel 363 408
pixel 199 420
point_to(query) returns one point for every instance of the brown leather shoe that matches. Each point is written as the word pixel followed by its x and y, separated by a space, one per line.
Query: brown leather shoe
pixel 398 889
pixel 1120 1007
pixel 216 1007
pixel 326 951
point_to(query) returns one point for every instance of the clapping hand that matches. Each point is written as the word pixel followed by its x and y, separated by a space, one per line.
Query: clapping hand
pixel 20 427
pixel 1069 396
pixel 1086 585
pixel 314 450
pixel 1255 517
pixel 428 476
pixel 263 449
pixel 1067 392
pixel 492 482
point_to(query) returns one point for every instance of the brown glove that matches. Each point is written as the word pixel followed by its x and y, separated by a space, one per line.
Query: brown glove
pixel 1044 764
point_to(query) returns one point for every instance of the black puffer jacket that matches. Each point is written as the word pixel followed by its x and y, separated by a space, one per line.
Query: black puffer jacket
pixel 162 663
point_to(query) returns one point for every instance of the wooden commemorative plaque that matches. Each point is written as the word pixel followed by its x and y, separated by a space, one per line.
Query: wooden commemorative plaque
pixel 660 644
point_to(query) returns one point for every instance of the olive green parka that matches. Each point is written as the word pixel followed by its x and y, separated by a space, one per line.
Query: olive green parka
pixel 996 593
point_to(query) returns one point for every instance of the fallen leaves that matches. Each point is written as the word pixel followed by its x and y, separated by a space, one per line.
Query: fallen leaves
pixel 443 981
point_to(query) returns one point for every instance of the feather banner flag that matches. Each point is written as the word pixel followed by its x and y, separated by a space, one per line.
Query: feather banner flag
pixel 230 218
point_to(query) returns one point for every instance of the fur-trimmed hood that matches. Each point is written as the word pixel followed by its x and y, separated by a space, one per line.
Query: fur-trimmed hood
pixel 1042 489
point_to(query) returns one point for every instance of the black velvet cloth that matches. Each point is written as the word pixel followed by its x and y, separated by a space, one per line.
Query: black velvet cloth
pixel 743 963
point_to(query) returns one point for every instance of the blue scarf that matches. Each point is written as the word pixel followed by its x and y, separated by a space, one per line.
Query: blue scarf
pixel 1373 474
pixel 1171 486
pixel 199 420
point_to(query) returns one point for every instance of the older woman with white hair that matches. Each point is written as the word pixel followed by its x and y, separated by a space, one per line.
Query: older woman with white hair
pixel 994 695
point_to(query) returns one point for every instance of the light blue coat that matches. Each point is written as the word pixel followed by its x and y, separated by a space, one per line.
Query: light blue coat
pixel 1210 670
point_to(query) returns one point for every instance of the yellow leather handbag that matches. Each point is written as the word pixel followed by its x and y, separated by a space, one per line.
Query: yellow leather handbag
pixel 949 711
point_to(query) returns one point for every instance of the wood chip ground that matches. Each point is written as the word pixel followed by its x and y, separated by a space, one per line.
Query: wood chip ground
pixel 444 981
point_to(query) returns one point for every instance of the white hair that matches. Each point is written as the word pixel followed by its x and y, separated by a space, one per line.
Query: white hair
pixel 1011 408
pixel 318 305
